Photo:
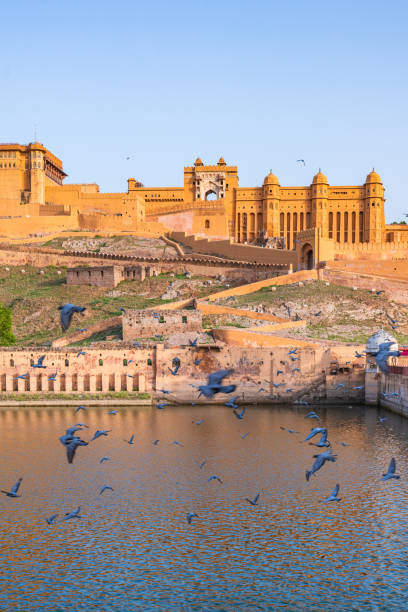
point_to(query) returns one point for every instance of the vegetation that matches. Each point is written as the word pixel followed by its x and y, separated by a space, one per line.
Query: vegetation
pixel 109 395
pixel 6 335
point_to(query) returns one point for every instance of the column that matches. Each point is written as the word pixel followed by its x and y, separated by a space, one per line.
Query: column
pixel 142 383
pixel 118 382
pixel 68 383
pixel 21 385
pixel 92 383
pixel 33 383
pixel 80 382
pixel 129 384
pixel 105 383
pixel 44 382
pixel 56 385
pixel 9 382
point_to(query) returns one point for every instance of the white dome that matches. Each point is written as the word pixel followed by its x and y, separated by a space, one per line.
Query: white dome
pixel 373 343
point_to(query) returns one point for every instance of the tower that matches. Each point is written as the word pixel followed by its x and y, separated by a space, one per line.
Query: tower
pixel 271 201
pixel 35 159
pixel 374 221
pixel 320 188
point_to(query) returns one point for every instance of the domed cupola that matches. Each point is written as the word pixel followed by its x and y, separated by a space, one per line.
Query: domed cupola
pixel 320 178
pixel 271 179
pixel 373 177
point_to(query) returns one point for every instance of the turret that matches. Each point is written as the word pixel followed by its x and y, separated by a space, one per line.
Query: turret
pixel 374 221
pixel 320 192
pixel 271 201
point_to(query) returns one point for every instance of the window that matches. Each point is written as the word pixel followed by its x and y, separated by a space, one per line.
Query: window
pixel 346 227
pixel 161 320
pixel 125 362
pixel 282 224
pixel 207 224
pixel 149 362
pixel 67 362
pixel 330 225
pixel 101 362
pixel 353 227
pixel 12 363
pixel 184 319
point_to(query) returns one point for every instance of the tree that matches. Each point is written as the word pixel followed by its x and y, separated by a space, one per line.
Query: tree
pixel 6 335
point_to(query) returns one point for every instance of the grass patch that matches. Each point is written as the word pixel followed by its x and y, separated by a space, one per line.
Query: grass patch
pixel 80 396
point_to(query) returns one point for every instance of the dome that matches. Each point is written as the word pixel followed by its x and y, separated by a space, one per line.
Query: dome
pixel 373 177
pixel 198 162
pixel 221 162
pixel 320 178
pixel 271 179
pixel 373 343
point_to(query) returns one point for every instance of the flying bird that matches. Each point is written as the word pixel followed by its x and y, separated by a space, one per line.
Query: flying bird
pixel 104 459
pixel 51 519
pixel 197 361
pixel 214 384
pixel 293 352
pixel 164 391
pixel 73 514
pixel 312 415
pixel 39 363
pixel 314 432
pixel 175 371
pixel 239 415
pixel 202 464
pixel 66 314
pixel 14 489
pixel 112 412
pixel 390 472
pixel 105 488
pixel 80 408
pixel 155 442
pixel 232 403
pixel 339 386
pixel 53 376
pixel 214 477
pixel 322 442
pixel 302 161
pixel 81 353
pixel 199 422
pixel 383 354
pixel 130 441
pixel 193 342
pixel 317 314
pixel 333 495
pixel 190 516
pixel 359 355
pixel 177 443
pixel 320 460
pixel 23 376
pixel 253 502
pixel 279 372
pixel 100 432
pixel 161 405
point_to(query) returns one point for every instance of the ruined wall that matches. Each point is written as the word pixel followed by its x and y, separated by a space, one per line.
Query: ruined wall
pixel 100 276
pixel 148 323
pixel 397 288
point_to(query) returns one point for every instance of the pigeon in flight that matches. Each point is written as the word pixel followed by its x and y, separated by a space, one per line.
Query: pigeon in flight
pixel 239 415
pixel 291 431
pixel 312 415
pixel 193 342
pixel 39 363
pixel 244 436
pixel 105 488
pixel 339 386
pixel 314 432
pixel 81 353
pixel 23 376
pixel 279 372
pixel 100 432
pixel 161 405
pixel 130 441
pixel 232 403
pixel 73 514
pixel 320 460
pixel 214 384
pixel 190 516
pixel 383 354
pixel 359 355
pixel 71 442
pixel 112 412
pixel 358 388
pixel 197 361
pixel 51 519
pixel 155 442
pixel 202 464
pixel 293 352
pixel 302 161
pixel 14 489
pixel 104 459
pixel 391 471
pixel 66 313
pixel 53 376
pixel 253 502
pixel 333 495
pixel 214 477
pixel 322 442
pixel 177 443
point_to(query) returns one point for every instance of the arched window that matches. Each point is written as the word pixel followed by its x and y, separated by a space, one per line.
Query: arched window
pixel 353 227
pixel 361 226
pixel 301 221
pixel 101 362
pixel 282 225
pixel 67 362
pixel 207 224
pixel 338 219
pixel 346 227
pixel 288 244
pixel 125 362
pixel 210 195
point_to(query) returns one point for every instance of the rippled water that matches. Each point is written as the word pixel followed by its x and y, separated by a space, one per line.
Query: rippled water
pixel 133 549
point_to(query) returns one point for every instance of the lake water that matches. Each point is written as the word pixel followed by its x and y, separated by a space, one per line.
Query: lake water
pixel 133 548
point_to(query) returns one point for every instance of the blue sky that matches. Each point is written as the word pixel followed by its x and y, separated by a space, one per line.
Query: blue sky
pixel 261 83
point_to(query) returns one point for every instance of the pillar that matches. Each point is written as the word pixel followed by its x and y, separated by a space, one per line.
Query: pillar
pixel 56 385
pixel 21 385
pixel 105 383
pixel 33 383
pixel 9 382
pixel 44 382
pixel 129 384
pixel 142 383
pixel 92 383
pixel 68 383
pixel 118 382
pixel 80 382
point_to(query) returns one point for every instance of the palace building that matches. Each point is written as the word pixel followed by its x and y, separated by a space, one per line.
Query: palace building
pixel 34 200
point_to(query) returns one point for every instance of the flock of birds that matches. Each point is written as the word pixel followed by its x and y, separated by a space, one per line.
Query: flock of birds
pixel 215 384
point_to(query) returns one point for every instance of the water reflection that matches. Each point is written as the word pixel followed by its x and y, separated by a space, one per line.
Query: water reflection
pixel 133 549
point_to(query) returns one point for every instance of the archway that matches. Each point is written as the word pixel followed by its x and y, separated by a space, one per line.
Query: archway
pixel 307 257
pixel 211 195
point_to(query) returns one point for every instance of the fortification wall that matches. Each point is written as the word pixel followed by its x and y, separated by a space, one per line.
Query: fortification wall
pixel 397 288
pixel 232 250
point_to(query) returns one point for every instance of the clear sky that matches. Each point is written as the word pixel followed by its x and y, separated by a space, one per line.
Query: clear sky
pixel 262 83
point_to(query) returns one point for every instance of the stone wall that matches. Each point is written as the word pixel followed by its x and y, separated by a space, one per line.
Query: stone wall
pixel 395 288
pixel 108 276
pixel 148 323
